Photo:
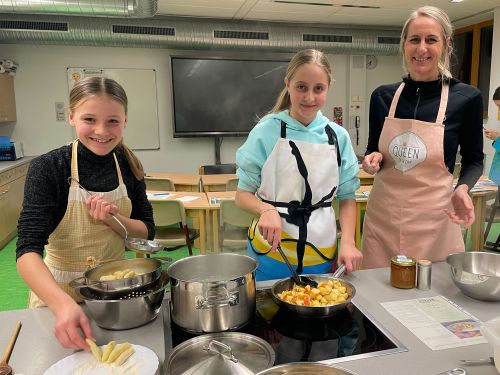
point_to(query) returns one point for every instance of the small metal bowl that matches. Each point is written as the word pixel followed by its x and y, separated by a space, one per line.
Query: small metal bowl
pixel 129 310
pixel 476 274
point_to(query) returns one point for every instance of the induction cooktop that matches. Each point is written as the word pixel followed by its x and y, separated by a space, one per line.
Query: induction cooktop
pixel 347 335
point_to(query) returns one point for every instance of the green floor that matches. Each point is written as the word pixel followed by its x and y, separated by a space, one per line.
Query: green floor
pixel 14 292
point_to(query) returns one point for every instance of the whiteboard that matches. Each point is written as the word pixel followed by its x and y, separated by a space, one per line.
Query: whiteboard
pixel 142 131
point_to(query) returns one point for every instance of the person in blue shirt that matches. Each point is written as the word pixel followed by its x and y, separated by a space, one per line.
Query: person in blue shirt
pixel 494 174
pixel 293 164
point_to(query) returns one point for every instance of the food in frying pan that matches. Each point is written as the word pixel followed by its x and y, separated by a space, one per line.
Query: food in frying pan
pixel 112 353
pixel 327 293
pixel 124 274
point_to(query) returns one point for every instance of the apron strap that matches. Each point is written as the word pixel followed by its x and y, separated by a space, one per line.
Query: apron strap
pixel 283 129
pixel 392 110
pixel 443 104
pixel 332 140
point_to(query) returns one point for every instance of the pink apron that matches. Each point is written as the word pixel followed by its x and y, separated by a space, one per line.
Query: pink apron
pixel 405 213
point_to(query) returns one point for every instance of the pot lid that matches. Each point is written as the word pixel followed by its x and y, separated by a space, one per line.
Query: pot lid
pixel 222 353
pixel 305 368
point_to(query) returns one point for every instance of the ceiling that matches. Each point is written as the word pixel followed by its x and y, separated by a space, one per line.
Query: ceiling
pixel 326 12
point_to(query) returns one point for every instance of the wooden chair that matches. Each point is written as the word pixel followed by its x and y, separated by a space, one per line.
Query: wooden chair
pixel 218 169
pixel 166 214
pixel 163 184
pixel 234 223
pixel 232 184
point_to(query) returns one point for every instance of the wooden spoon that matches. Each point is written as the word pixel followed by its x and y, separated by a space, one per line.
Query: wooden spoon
pixel 5 369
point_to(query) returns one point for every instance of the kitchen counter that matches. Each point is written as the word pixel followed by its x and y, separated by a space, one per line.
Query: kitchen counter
pixel 37 349
pixel 6 165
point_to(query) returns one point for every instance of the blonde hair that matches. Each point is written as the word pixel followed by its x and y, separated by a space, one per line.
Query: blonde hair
pixel 302 57
pixel 443 20
pixel 102 86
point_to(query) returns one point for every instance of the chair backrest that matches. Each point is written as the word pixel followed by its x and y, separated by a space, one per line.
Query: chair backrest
pixel 232 184
pixel 159 184
pixel 232 214
pixel 168 213
pixel 218 169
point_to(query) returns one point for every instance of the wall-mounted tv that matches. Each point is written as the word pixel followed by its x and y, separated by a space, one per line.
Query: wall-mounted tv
pixel 221 96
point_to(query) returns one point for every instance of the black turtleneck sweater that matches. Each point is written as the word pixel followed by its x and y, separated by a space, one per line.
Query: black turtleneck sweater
pixel 46 192
pixel 463 125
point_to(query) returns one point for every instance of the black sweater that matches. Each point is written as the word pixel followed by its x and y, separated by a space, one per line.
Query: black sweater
pixel 46 192
pixel 420 101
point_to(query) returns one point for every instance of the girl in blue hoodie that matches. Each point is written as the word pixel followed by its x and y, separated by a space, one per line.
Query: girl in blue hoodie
pixel 293 164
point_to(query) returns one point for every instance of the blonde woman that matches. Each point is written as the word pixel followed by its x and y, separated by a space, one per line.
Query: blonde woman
pixel 293 164
pixel 76 231
pixel 416 128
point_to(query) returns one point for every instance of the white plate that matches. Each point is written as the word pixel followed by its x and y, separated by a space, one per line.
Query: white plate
pixel 143 362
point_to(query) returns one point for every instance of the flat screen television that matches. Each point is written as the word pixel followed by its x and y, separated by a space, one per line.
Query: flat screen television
pixel 222 97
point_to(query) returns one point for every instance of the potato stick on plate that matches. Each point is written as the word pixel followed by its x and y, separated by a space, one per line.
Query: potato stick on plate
pixel 115 353
pixel 107 350
pixel 96 351
pixel 124 356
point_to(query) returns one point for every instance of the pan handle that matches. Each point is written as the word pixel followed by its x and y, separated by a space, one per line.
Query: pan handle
pixel 340 271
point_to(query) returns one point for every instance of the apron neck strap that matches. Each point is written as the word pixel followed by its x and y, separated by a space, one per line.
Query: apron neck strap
pixel 395 100
pixel 443 104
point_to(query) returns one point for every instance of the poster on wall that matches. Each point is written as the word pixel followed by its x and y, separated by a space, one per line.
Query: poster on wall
pixel 142 132
pixel 337 115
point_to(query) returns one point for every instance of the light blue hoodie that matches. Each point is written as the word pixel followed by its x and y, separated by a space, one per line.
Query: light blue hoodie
pixel 252 155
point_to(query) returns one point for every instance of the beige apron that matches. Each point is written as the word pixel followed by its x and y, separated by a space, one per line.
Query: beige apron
pixel 79 241
pixel 404 214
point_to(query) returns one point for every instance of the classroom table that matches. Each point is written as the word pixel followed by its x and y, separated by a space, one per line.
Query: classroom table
pixel 479 199
pixel 214 198
pixel 197 210
pixel 365 178
pixel 182 182
pixel 215 182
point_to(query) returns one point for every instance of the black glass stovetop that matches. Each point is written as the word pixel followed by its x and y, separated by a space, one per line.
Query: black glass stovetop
pixel 348 332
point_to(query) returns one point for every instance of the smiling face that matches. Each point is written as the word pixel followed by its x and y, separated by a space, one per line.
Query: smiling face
pixel 423 48
pixel 99 122
pixel 308 89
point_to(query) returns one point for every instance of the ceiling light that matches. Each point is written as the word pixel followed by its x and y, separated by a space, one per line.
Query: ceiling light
pixel 456 1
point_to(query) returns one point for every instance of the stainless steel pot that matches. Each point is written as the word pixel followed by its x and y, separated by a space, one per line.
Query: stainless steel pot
pixel 133 310
pixel 305 368
pixel 212 293
pixel 222 353
pixel 310 311
pixel 148 270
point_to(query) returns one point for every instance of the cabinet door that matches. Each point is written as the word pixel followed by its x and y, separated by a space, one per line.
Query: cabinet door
pixel 11 201
pixel 7 98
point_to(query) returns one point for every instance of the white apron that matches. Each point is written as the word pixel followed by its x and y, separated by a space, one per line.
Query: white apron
pixel 404 214
pixel 79 241
pixel 300 179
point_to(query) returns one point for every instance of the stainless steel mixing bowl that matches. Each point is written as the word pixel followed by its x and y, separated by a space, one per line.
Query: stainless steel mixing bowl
pixel 476 274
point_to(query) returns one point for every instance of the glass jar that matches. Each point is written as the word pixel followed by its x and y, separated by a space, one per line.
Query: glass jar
pixel 403 272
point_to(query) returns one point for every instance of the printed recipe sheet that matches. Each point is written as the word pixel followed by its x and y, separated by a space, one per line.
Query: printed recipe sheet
pixel 437 322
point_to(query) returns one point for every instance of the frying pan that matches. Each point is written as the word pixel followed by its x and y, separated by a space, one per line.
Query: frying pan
pixel 312 311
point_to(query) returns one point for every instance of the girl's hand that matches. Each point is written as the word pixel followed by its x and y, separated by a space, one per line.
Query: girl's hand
pixel 371 162
pixel 491 134
pixel 463 209
pixel 350 256
pixel 99 208
pixel 71 322
pixel 270 226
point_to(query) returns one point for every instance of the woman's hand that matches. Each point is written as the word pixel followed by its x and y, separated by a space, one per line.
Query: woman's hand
pixel 371 162
pixel 270 226
pixel 491 134
pixel 350 256
pixel 463 209
pixel 71 322
pixel 99 208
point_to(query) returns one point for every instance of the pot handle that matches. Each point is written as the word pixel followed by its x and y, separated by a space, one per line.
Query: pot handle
pixel 210 349
pixel 79 282
pixel 217 300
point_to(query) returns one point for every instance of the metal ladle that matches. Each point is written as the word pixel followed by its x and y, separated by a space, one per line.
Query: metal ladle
pixel 5 369
pixel 136 244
